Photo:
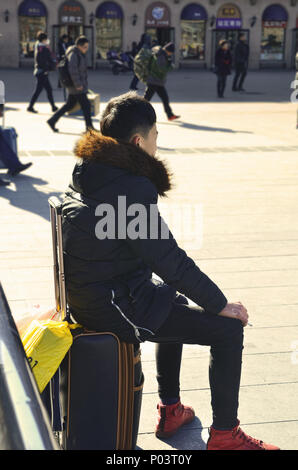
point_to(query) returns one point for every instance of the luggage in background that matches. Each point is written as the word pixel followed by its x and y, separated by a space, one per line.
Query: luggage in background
pixel 101 379
pixel 7 133
pixel 94 99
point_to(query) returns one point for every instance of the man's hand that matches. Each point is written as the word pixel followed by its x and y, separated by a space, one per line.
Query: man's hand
pixel 79 88
pixel 235 310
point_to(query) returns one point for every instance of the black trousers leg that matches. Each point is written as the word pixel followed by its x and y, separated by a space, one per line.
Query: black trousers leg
pixel 242 77
pixel 71 101
pixel 192 325
pixel 86 108
pixel 236 78
pixel 163 94
pixel 149 92
pixel 48 87
pixel 38 89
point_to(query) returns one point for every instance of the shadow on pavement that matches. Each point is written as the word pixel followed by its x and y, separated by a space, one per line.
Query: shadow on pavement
pixel 26 196
pixel 187 438
pixel 188 125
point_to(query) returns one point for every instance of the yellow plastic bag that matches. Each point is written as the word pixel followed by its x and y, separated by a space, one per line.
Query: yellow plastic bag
pixel 46 343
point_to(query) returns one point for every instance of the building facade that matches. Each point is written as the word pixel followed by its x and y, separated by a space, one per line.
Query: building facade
pixel 271 28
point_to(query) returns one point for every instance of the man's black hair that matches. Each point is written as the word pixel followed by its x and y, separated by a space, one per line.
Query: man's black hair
pixel 42 36
pixel 127 115
pixel 81 40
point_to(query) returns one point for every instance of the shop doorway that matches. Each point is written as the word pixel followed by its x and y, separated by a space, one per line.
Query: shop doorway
pixel 162 35
pixel 73 31
pixel 230 35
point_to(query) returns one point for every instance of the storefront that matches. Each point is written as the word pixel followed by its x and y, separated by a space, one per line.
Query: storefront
pixel 32 15
pixel 109 29
pixel 228 26
pixel 274 24
pixel 72 20
pixel 193 32
pixel 158 23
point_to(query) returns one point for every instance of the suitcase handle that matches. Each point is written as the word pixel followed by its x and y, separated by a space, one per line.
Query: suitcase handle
pixel 57 242
pixel 2 101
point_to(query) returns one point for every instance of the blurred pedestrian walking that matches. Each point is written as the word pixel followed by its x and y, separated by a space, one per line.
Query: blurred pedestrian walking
pixel 160 65
pixel 145 41
pixel 241 55
pixel 43 64
pixel 77 92
pixel 63 45
pixel 223 64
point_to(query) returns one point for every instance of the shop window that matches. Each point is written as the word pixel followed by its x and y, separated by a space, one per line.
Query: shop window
pixel 32 19
pixel 193 32
pixel 109 18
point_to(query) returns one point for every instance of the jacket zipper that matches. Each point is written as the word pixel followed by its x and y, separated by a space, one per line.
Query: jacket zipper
pixel 136 328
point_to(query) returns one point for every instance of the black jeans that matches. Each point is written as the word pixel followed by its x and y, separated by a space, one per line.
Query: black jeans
pixel 162 93
pixel 71 101
pixel 240 74
pixel 193 325
pixel 42 83
pixel 221 84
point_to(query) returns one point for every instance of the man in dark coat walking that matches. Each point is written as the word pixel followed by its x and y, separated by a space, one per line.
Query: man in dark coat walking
pixel 43 64
pixel 241 56
pixel 114 239
pixel 78 71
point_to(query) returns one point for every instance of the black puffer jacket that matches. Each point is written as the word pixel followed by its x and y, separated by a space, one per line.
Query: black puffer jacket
pixel 109 281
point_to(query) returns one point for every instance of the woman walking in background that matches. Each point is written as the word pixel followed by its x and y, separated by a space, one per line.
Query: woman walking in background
pixel 223 63
pixel 43 64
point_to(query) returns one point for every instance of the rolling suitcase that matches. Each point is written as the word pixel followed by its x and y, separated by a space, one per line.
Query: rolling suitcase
pixel 8 135
pixel 100 379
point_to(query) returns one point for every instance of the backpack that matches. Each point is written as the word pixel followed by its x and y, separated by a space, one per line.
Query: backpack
pixel 64 75
pixel 142 63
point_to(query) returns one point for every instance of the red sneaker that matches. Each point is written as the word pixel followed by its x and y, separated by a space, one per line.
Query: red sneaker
pixel 235 439
pixel 173 117
pixel 171 417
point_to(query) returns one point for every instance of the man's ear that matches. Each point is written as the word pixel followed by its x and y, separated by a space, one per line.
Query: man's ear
pixel 136 140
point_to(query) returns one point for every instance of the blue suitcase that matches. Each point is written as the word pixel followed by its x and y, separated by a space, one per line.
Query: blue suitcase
pixel 94 399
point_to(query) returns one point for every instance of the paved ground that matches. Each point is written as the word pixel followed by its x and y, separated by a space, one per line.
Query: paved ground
pixel 236 159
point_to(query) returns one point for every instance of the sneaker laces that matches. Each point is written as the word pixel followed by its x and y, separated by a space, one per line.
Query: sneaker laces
pixel 245 437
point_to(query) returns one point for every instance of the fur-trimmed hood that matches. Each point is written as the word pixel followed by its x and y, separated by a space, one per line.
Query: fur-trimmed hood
pixel 100 152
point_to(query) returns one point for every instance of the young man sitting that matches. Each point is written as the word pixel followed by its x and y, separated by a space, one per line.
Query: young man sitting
pixel 109 265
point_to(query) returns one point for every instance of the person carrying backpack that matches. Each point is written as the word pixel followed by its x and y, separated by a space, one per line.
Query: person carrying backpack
pixel 159 67
pixel 77 87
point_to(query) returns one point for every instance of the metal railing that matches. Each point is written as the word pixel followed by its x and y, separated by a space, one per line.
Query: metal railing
pixel 24 423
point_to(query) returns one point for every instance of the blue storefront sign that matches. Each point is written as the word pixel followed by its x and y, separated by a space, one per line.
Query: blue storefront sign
pixel 193 12
pixel 32 8
pixel 228 23
pixel 109 10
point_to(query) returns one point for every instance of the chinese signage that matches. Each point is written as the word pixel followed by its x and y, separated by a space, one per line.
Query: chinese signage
pixel 32 8
pixel 228 17
pixel 274 24
pixel 71 12
pixel 158 16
